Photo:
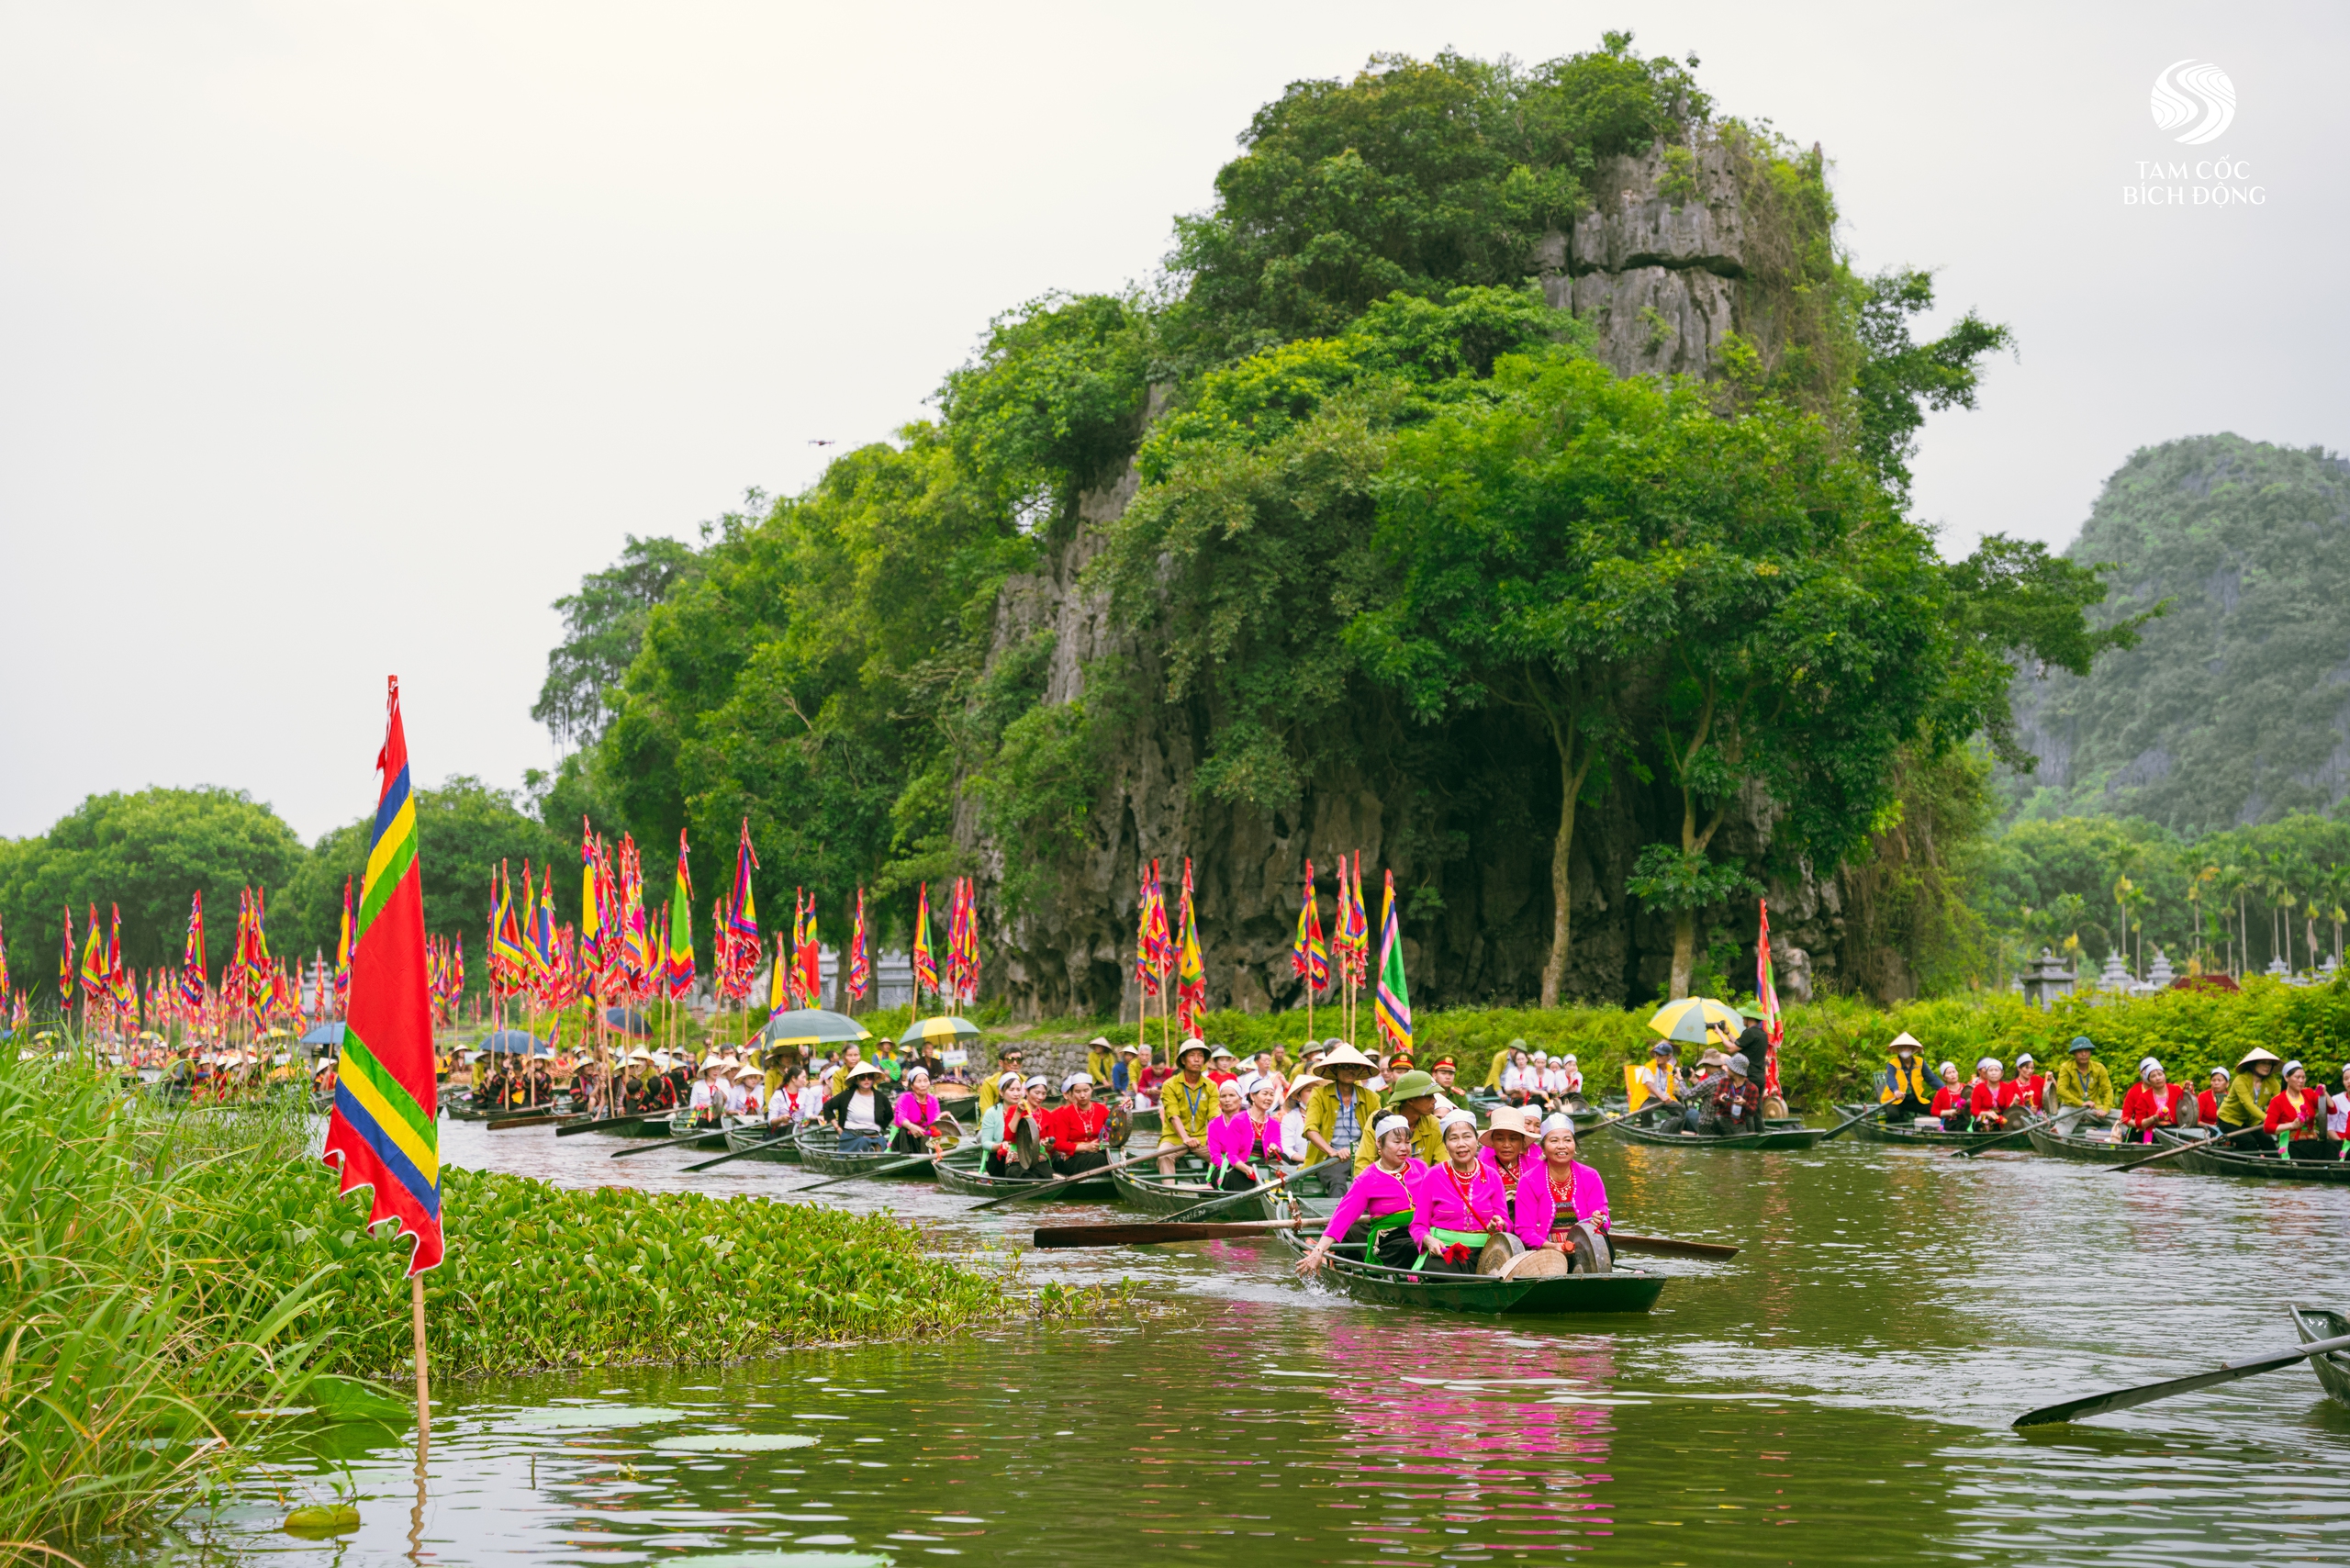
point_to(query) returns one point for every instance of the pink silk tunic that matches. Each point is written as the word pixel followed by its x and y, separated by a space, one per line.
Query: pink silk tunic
pixel 1374 1194
pixel 1531 1214
pixel 1437 1204
pixel 1589 1197
pixel 919 1112
pixel 1233 1140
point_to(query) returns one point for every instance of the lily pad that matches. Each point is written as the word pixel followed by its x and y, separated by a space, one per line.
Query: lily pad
pixel 588 1418
pixel 339 1518
pixel 735 1443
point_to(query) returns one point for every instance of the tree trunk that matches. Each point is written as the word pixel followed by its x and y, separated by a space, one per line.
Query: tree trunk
pixel 1571 778
pixel 1685 953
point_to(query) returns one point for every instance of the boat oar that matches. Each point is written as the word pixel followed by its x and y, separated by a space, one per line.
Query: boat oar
pixel 1230 1198
pixel 1143 1234
pixel 749 1148
pixel 2146 1394
pixel 2183 1147
pixel 860 1175
pixel 2074 1114
pixel 704 1134
pixel 1665 1247
pixel 1877 1110
pixel 1041 1188
pixel 570 1127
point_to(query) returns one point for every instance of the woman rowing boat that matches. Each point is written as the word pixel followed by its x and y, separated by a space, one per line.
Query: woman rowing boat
pixel 2296 1116
pixel 1578 1199
pixel 1380 1200
pixel 1458 1206
pixel 861 1110
pixel 1951 1100
pixel 918 1119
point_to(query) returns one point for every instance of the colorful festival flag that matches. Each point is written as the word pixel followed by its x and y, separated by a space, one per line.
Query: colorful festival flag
pixel 94 965
pixel 1308 958
pixel 591 903
pixel 745 944
pixel 678 969
pixel 780 978
pixel 1394 1001
pixel 1766 998
pixel 860 960
pixel 963 944
pixel 926 964
pixel 383 1133
pixel 808 963
pixel 65 964
pixel 1354 933
pixel 192 955
pixel 1191 973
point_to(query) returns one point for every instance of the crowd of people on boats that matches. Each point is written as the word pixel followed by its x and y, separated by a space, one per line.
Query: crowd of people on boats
pixel 2265 1104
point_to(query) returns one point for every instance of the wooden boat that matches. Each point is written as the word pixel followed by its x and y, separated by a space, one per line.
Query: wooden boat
pixel 2333 1369
pixel 1146 1189
pixel 964 1169
pixel 819 1152
pixel 1875 1130
pixel 653 1124
pixel 2235 1162
pixel 465 1111
pixel 1778 1133
pixel 1584 1113
pixel 741 1136
pixel 1626 1290
pixel 2098 1149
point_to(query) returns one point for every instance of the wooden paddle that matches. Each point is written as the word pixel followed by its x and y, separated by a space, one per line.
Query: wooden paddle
pixel 1041 1188
pixel 2145 1394
pixel 1877 1110
pixel 570 1127
pixel 1230 1198
pixel 2183 1147
pixel 767 1142
pixel 1140 1235
pixel 858 1175
pixel 1666 1247
pixel 2075 1116
pixel 647 1148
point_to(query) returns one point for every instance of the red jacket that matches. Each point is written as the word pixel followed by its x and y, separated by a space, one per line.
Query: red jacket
pixel 1071 1124
pixel 2032 1092
pixel 2207 1108
pixel 1991 1098
pixel 1948 1098
pixel 2140 1108
pixel 2309 1113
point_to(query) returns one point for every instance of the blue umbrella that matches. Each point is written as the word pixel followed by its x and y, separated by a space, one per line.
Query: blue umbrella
pixel 513 1042
pixel 324 1034
pixel 628 1021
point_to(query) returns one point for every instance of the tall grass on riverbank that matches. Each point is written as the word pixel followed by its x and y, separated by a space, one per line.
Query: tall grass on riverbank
pixel 128 1344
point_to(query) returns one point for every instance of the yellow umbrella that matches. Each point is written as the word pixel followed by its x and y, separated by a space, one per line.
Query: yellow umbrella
pixel 1689 1019
pixel 941 1029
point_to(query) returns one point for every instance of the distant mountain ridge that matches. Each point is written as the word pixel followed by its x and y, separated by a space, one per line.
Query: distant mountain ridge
pixel 2235 706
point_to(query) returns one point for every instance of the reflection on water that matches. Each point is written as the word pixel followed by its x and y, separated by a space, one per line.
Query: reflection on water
pixel 1839 1392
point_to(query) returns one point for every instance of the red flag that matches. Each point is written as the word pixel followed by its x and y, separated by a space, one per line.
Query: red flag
pixel 383 1133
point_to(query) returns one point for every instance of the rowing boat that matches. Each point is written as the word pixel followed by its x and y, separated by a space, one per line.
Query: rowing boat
pixel 2236 1162
pixel 1875 1130
pixel 2102 1150
pixel 746 1135
pixel 1144 1188
pixel 819 1152
pixel 653 1124
pixel 963 1170
pixel 1624 1289
pixel 1778 1133
pixel 1585 1114
pixel 2333 1369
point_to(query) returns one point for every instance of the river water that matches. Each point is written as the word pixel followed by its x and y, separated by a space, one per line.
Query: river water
pixel 1839 1392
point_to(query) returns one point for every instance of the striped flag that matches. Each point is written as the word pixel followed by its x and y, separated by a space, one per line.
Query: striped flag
pixel 860 960
pixel 1766 1002
pixel 678 966
pixel 925 962
pixel 1308 958
pixel 1191 972
pixel 383 1134
pixel 66 963
pixel 1394 1000
pixel 192 955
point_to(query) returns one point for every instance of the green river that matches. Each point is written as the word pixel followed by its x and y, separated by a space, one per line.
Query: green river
pixel 1839 1392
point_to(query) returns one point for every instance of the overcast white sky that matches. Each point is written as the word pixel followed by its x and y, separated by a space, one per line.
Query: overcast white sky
pixel 340 338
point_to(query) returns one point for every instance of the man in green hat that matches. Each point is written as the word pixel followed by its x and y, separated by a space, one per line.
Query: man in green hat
pixel 2084 1080
pixel 1186 1105
pixel 1413 1095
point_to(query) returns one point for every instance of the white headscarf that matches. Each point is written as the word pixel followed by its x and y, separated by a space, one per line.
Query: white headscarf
pixel 1456 1114
pixel 2148 1065
pixel 1385 1124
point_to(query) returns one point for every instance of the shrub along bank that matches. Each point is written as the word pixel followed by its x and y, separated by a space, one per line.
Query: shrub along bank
pixel 1834 1046
pixel 168 1281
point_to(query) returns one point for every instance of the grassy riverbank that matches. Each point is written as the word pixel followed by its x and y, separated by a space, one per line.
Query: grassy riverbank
pixel 169 1282
pixel 1834 1046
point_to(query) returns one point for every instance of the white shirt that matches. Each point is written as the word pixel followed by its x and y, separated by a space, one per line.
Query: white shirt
pixel 1514 1079
pixel 1293 1144
pixel 860 1111
pixel 699 1100
pixel 2337 1114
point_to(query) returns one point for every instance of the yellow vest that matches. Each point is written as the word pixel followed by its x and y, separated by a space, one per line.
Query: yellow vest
pixel 1911 1084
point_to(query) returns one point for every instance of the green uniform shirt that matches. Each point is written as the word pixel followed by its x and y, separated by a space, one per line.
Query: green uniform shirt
pixel 2092 1086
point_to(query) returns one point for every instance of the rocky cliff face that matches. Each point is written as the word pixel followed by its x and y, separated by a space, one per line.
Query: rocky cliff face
pixel 1658 277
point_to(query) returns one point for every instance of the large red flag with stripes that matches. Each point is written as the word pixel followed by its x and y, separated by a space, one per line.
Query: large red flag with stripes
pixel 384 1134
